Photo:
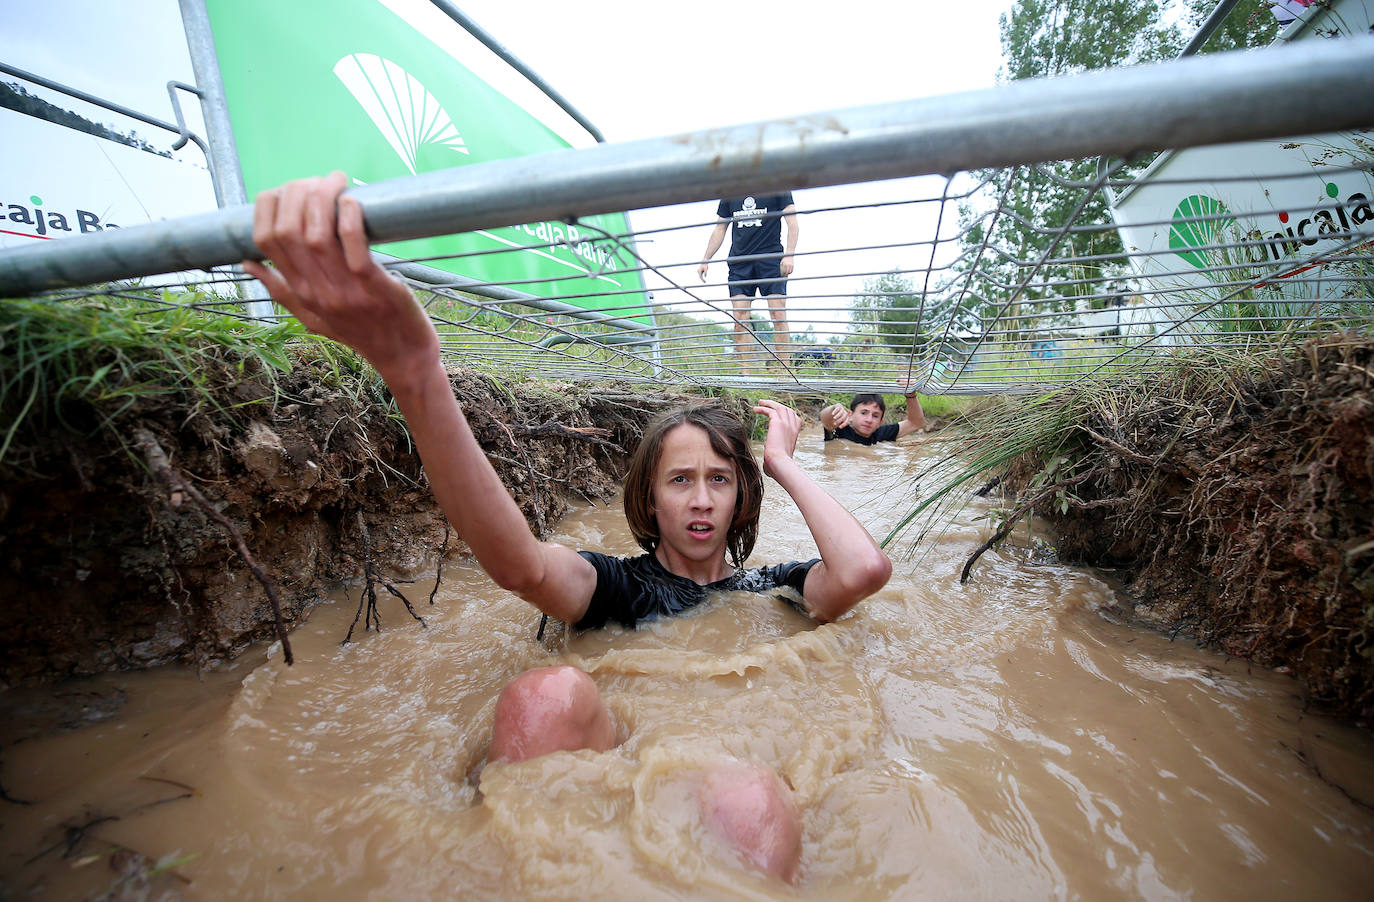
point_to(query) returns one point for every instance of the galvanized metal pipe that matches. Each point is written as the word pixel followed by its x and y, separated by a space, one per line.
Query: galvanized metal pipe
pixel 225 171
pixel 482 35
pixel 1216 98
pixel 1209 27
pixel 439 279
pixel 179 130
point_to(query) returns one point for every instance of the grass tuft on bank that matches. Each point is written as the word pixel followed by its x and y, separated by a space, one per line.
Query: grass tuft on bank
pixel 82 364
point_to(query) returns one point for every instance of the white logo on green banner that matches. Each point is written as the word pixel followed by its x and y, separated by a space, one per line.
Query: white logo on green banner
pixel 404 112
pixel 1199 222
pixel 370 95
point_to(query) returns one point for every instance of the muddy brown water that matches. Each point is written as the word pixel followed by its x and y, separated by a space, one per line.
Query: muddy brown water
pixel 1000 740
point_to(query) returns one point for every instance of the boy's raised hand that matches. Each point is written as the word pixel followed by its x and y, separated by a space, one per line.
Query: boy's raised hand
pixel 784 424
pixel 835 417
pixel 324 274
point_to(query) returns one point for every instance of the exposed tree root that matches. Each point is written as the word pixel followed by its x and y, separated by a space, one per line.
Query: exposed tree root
pixel 290 462
pixel 439 568
pixel 180 489
pixel 79 847
pixel 1301 755
pixel 581 433
pixel 1015 516
pixel 6 797
pixel 368 599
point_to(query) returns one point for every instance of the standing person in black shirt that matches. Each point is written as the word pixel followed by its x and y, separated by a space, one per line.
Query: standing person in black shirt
pixel 757 261
pixel 863 421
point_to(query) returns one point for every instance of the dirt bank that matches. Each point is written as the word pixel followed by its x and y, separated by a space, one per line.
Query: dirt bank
pixel 1244 516
pixel 108 568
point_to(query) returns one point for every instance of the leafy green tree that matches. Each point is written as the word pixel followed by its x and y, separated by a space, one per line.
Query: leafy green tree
pixel 887 309
pixel 1051 38
pixel 1063 37
pixel 890 310
pixel 1249 24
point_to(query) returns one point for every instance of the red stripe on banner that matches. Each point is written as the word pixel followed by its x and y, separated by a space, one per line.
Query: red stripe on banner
pixel 1303 269
pixel 26 235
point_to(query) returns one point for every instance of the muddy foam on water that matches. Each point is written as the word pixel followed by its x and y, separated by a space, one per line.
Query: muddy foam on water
pixel 1002 739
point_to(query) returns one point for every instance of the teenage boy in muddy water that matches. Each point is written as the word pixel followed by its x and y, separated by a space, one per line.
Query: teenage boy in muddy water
pixel 693 492
pixel 863 421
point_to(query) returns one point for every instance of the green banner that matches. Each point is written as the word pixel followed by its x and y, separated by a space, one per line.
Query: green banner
pixel 318 85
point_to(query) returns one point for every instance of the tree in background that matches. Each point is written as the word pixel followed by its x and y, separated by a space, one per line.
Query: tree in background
pixel 890 310
pixel 1249 24
pixel 1045 38
pixel 887 310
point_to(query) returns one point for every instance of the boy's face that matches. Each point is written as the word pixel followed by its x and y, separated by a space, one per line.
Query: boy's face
pixel 867 417
pixel 694 497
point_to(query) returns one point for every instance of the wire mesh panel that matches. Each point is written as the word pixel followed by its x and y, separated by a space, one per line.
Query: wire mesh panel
pixel 998 241
pixel 963 294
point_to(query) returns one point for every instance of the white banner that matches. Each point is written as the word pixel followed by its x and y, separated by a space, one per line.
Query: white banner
pixel 57 182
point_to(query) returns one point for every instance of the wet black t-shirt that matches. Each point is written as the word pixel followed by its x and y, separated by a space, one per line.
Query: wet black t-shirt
pixel 884 433
pixel 632 589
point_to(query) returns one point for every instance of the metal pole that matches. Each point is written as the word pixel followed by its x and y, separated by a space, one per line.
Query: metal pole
pixel 1208 28
pixel 179 130
pixel 1209 99
pixel 225 171
pixel 515 63
pixel 441 279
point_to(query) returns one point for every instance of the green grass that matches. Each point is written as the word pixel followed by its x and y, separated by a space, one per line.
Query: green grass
pixel 943 406
pixel 1040 440
pixel 82 364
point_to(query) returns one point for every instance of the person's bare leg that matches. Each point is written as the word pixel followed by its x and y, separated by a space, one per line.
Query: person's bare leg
pixel 549 710
pixel 777 308
pixel 748 807
pixel 743 337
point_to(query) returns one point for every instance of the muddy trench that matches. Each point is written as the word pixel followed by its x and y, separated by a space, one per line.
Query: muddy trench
pixel 1241 521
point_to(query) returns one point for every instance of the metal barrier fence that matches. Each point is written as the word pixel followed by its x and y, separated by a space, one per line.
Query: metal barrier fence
pixel 955 279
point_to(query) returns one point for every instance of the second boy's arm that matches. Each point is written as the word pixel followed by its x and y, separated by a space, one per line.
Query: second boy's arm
pixel 915 419
pixel 324 274
pixel 835 417
pixel 852 565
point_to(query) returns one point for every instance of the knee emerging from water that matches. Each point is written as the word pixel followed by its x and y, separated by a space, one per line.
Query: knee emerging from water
pixel 748 807
pixel 547 710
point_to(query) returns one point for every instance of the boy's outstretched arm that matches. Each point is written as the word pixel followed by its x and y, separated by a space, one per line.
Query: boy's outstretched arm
pixel 915 419
pixel 852 565
pixel 324 274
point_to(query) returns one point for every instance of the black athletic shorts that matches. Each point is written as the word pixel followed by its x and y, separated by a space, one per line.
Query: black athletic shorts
pixel 764 275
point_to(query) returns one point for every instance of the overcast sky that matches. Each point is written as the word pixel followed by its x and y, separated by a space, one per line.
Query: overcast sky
pixel 634 69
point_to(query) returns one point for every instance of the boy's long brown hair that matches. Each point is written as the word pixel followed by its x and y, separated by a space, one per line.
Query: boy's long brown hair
pixel 730 439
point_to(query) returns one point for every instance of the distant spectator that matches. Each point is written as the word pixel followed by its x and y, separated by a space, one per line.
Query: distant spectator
pixel 756 223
